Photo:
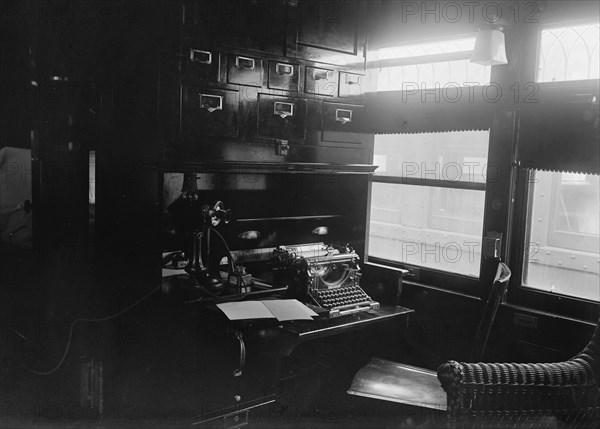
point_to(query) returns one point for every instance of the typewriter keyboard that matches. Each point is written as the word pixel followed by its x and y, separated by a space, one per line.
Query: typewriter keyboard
pixel 348 296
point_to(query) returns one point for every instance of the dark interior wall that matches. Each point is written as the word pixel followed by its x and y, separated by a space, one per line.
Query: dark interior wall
pixel 13 84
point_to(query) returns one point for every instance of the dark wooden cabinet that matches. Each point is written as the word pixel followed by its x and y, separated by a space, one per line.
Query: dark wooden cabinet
pixel 254 72
pixel 328 31
pixel 241 24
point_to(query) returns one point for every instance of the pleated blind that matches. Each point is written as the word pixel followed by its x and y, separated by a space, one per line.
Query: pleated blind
pixel 560 132
pixel 430 110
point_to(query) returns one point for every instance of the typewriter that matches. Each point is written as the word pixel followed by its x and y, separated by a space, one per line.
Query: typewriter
pixel 323 276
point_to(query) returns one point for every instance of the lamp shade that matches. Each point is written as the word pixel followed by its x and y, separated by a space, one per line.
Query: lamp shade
pixel 490 48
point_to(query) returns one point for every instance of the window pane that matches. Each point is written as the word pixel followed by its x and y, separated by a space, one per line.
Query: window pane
pixel 563 251
pixel 424 49
pixel 569 53
pixel 438 228
pixel 455 156
pixel 444 74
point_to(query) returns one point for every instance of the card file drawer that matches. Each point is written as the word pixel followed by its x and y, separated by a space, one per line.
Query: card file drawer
pixel 321 81
pixel 244 70
pixel 209 112
pixel 351 85
pixel 201 64
pixel 284 76
pixel 281 117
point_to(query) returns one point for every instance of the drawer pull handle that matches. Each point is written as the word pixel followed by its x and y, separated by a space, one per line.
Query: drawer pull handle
pixel 284 69
pixel 244 63
pixel 198 56
pixel 240 369
pixel 283 109
pixel 211 102
pixel 320 74
pixel 343 115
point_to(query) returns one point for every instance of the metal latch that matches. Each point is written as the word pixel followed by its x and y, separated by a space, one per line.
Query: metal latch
pixel 492 246
pixel 282 147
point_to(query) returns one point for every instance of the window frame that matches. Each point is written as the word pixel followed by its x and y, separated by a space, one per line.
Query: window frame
pixel 538 47
pixel 418 274
pixel 518 293
pixel 577 241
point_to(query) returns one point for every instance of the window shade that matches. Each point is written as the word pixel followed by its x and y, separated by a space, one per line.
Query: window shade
pixel 423 111
pixel 560 133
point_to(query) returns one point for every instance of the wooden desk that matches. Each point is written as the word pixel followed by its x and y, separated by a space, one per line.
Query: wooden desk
pixel 278 343
pixel 324 327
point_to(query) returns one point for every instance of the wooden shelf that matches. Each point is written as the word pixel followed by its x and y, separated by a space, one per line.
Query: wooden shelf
pixel 236 167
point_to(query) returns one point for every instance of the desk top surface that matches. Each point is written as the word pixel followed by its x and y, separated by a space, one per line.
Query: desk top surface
pixel 324 326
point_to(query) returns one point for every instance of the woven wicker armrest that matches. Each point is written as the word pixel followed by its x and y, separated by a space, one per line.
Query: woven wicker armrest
pixel 502 390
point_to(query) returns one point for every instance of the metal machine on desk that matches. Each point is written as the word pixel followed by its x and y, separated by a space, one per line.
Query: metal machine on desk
pixel 324 276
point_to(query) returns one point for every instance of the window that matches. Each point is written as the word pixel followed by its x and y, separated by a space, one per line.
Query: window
pixel 562 254
pixel 419 66
pixel 428 193
pixel 427 200
pixel 569 53
pixel 556 226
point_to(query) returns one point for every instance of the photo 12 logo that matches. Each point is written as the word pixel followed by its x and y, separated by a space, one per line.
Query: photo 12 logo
pixel 470 11
pixel 469 92
pixel 466 171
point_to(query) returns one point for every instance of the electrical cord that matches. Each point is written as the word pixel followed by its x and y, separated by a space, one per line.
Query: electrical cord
pixel 232 264
pixel 76 321
pixel 229 254
pixel 217 298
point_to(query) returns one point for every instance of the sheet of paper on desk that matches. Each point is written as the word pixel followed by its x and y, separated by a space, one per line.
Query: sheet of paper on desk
pixel 281 309
pixel 289 309
pixel 245 310
pixel 168 272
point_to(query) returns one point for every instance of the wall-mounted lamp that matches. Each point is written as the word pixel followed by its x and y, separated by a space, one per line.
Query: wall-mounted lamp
pixel 490 47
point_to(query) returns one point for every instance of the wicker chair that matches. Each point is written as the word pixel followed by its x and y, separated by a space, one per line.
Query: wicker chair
pixel 521 395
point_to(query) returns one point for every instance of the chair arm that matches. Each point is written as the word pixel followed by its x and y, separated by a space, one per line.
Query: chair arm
pixel 575 372
pixel 570 389
pixel 504 389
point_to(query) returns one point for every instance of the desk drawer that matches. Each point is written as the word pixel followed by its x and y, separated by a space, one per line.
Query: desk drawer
pixel 236 417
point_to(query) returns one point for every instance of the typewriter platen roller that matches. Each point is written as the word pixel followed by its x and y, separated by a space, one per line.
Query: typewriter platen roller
pixel 324 276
